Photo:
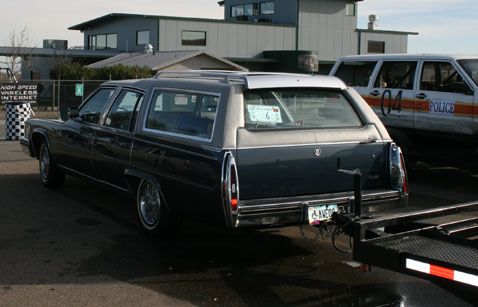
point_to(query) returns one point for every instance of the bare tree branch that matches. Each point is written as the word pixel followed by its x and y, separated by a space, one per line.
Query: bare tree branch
pixel 20 55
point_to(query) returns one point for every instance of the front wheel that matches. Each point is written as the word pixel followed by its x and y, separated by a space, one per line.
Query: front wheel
pixel 50 174
pixel 154 216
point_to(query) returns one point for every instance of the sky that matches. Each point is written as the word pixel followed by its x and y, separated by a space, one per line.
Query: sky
pixel 444 26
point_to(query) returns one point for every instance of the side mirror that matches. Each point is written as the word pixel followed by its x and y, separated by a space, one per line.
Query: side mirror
pixel 73 112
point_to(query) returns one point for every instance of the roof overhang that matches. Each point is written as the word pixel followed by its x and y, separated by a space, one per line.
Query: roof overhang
pixel 91 23
pixel 49 52
pixel 160 60
pixel 387 32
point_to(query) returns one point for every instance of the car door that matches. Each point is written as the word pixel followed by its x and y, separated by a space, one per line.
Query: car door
pixel 393 92
pixel 444 100
pixel 76 134
pixel 112 142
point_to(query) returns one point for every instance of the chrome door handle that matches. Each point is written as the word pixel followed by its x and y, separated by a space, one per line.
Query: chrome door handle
pixel 421 96
pixel 375 93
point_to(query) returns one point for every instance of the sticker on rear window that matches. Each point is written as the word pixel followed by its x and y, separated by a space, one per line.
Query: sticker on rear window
pixel 181 100
pixel 264 114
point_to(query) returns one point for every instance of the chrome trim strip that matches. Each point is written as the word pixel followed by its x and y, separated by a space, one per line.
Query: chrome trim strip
pixel 225 191
pixel 184 136
pixel 246 208
pixel 93 178
pixel 140 139
pixel 312 144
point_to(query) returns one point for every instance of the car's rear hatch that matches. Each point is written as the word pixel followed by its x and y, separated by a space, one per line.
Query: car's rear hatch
pixel 311 168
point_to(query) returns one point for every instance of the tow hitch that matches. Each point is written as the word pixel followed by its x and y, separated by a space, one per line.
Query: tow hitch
pixel 440 244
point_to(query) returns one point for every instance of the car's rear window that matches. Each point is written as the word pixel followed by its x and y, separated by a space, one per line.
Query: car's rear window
pixel 298 108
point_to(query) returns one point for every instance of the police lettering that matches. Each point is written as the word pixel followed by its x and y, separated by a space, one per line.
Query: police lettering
pixel 442 107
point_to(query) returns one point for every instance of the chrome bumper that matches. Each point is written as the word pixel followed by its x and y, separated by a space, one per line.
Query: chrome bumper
pixel 293 209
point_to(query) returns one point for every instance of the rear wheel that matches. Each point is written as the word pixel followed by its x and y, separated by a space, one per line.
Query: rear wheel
pixel 50 174
pixel 154 216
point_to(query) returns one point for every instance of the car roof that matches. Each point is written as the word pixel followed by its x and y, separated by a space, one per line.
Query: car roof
pixel 251 80
pixel 427 56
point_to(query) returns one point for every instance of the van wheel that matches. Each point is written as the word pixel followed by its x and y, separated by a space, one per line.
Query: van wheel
pixel 50 173
pixel 154 216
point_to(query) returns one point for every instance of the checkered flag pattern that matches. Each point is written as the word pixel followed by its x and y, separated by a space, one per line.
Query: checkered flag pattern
pixel 16 115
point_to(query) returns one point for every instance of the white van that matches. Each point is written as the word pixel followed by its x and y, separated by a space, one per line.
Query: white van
pixel 420 98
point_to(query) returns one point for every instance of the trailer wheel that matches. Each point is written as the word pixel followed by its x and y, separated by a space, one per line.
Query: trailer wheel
pixel 50 174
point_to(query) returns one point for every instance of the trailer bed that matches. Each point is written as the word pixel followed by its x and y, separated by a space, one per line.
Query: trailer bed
pixel 412 243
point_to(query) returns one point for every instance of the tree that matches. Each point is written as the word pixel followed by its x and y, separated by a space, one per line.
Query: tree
pixel 19 55
pixel 76 71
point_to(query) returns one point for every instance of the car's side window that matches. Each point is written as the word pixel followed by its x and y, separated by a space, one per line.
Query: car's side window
pixel 191 114
pixel 396 75
pixel 91 111
pixel 123 110
pixel 356 73
pixel 442 77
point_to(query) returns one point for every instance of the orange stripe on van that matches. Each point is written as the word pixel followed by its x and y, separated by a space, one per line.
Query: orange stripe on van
pixel 407 105
pixel 422 106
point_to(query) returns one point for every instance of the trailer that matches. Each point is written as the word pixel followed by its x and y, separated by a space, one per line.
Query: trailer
pixel 439 244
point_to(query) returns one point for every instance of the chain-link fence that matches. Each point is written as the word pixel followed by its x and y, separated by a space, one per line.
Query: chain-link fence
pixel 54 99
pixel 62 94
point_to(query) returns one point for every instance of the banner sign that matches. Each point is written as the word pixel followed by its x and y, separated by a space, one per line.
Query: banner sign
pixel 18 93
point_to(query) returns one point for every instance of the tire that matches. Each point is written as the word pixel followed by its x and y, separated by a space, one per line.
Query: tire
pixel 50 174
pixel 154 216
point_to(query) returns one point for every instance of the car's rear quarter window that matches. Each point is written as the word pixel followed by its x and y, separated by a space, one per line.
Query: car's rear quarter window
pixel 182 113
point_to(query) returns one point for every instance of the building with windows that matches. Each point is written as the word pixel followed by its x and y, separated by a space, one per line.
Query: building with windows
pixel 263 35
pixel 279 35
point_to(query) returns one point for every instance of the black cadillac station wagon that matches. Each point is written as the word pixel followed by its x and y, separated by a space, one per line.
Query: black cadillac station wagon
pixel 240 149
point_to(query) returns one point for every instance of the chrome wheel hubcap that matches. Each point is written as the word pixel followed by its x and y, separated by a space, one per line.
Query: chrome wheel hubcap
pixel 44 164
pixel 150 204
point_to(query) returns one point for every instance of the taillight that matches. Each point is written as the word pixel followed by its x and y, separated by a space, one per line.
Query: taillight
pixel 398 172
pixel 230 184
pixel 404 174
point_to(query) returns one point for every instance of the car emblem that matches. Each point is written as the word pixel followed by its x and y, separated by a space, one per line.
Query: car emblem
pixel 317 152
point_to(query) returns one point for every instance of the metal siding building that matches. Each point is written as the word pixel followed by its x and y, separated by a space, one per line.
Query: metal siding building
pixel 125 26
pixel 226 39
pixel 324 29
pixel 395 42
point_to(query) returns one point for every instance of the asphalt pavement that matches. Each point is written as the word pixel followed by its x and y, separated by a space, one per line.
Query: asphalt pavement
pixel 2 130
pixel 81 246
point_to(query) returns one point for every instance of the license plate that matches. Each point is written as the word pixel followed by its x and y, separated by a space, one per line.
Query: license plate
pixel 322 213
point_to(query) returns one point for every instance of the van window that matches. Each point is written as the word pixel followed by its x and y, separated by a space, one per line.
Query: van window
pixel 396 75
pixel 471 68
pixel 356 73
pixel 442 77
pixel 191 114
pixel 298 108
